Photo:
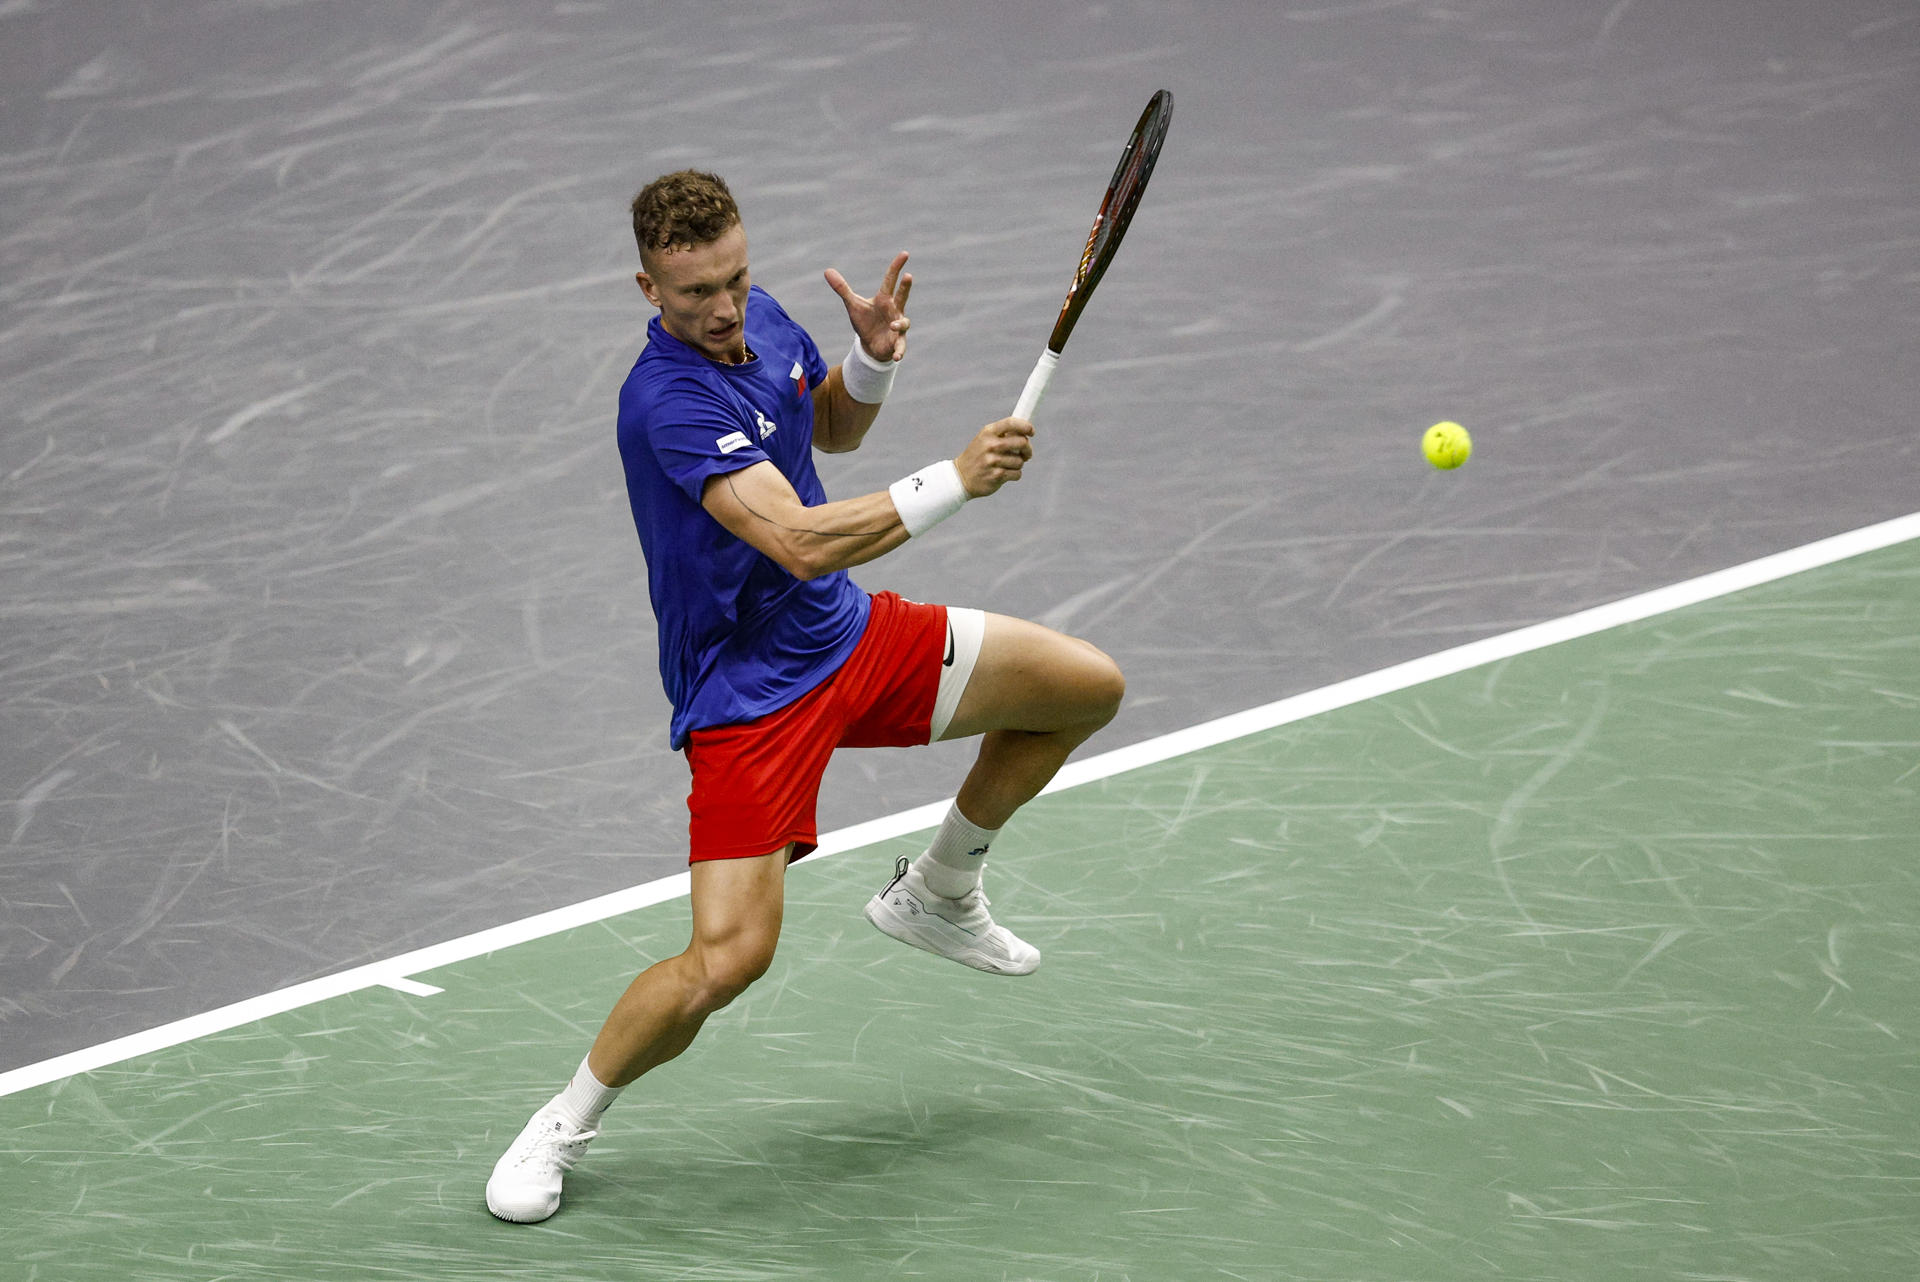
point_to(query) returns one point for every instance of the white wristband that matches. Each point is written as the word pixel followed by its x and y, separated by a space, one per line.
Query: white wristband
pixel 929 496
pixel 866 380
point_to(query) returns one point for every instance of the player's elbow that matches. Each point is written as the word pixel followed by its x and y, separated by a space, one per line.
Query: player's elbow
pixel 844 443
pixel 804 561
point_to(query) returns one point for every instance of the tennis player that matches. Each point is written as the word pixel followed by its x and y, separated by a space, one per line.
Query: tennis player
pixel 773 658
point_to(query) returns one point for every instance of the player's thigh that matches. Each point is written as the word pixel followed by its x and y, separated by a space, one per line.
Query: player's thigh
pixel 737 909
pixel 1029 677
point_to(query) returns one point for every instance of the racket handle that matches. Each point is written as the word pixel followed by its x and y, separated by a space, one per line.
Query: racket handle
pixel 1036 385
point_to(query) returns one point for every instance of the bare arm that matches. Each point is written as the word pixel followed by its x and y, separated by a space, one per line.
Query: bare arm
pixel 880 326
pixel 840 423
pixel 758 506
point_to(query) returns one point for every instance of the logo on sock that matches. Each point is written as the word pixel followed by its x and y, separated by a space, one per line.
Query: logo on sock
pixel 979 852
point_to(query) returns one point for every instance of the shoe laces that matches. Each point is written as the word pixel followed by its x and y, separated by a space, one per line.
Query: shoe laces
pixel 557 1143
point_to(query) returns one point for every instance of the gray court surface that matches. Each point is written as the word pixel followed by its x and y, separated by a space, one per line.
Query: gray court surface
pixel 323 629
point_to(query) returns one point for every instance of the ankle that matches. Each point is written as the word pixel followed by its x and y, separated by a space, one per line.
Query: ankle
pixel 587 1097
pixel 943 881
pixel 953 862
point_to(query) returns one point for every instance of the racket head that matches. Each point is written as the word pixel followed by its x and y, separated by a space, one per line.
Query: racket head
pixel 1128 184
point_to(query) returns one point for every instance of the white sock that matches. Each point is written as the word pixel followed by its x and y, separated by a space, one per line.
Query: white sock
pixel 952 864
pixel 585 1099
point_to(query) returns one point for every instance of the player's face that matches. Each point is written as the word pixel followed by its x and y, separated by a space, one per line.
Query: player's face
pixel 702 295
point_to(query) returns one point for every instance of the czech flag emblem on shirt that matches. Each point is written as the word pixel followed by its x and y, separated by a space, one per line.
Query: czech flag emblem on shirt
pixel 799 377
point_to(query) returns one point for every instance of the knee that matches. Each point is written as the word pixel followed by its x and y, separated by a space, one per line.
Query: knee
pixel 1103 686
pixel 724 973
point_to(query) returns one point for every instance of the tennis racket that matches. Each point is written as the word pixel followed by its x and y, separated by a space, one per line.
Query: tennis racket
pixel 1129 183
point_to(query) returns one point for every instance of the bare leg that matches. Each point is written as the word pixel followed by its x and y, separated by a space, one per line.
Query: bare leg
pixel 1035 696
pixel 737 906
pixel 736 923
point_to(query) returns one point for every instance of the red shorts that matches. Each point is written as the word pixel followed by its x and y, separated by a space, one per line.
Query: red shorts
pixel 755 784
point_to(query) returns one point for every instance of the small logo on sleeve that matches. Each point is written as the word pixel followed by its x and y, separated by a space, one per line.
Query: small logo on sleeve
pixel 733 441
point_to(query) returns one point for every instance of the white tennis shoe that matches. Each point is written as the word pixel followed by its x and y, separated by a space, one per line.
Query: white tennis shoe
pixel 525 1185
pixel 960 929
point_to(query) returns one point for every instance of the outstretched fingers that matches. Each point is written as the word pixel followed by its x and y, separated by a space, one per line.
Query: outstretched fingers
pixel 839 285
pixel 880 322
pixel 897 284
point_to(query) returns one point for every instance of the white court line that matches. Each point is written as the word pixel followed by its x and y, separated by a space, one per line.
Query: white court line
pixel 394 972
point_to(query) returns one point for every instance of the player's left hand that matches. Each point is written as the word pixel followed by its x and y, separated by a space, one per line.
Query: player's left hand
pixel 881 321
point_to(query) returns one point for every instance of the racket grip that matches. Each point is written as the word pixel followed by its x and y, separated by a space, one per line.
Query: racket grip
pixel 1036 385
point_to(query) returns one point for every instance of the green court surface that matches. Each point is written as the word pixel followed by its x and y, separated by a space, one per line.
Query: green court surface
pixel 1600 962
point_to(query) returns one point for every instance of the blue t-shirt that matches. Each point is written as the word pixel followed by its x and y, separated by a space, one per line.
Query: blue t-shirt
pixel 739 636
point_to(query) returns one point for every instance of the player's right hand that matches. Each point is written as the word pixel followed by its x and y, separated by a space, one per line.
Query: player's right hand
pixel 995 456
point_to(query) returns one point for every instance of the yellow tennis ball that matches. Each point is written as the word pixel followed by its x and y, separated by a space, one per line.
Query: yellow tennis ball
pixel 1446 445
